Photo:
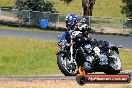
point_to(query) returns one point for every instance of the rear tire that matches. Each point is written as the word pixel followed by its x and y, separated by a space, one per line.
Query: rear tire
pixel 115 64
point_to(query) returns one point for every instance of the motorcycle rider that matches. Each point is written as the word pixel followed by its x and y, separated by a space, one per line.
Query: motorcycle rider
pixel 71 24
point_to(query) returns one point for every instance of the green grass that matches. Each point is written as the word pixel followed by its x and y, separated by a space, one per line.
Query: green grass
pixel 126 57
pixel 7 3
pixel 102 8
pixel 27 57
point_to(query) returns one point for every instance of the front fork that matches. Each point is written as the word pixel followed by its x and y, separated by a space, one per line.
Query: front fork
pixel 80 70
pixel 71 51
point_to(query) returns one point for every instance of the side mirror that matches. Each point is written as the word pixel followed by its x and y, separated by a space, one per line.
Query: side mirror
pixel 120 46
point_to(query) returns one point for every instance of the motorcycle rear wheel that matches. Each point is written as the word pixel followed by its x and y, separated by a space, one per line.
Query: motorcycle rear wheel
pixel 115 64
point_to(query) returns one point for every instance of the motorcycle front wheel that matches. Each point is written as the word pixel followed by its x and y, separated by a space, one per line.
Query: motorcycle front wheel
pixel 67 67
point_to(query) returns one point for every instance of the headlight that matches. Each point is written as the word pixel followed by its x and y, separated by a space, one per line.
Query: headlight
pixel 62 44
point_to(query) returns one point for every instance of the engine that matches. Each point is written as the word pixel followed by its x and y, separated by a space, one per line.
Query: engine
pixel 88 48
pixel 103 59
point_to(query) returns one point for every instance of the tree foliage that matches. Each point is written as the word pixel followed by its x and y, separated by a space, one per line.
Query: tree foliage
pixel 127 8
pixel 35 5
pixel 31 16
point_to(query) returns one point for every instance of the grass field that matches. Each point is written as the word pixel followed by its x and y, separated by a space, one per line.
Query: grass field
pixel 27 57
pixel 7 3
pixel 126 57
pixel 102 8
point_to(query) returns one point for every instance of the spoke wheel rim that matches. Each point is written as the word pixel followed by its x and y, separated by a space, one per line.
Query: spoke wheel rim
pixel 68 64
pixel 116 63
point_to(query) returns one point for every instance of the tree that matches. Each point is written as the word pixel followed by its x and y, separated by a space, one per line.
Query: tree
pixel 26 10
pixel 127 8
pixel 87 6
pixel 35 5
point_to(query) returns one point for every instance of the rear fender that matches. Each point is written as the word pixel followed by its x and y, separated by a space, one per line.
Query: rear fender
pixel 114 48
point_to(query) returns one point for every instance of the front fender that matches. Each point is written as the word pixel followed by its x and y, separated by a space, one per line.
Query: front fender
pixel 61 52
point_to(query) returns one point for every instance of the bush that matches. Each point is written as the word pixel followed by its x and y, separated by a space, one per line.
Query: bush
pixel 127 8
pixel 35 5
pixel 26 10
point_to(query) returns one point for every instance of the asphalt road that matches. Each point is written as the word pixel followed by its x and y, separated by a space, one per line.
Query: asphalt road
pixel 126 42
pixel 52 77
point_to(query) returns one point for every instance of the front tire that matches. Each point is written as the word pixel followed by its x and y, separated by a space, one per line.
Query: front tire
pixel 68 69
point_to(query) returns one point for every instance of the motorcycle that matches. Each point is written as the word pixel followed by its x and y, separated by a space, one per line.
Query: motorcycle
pixel 77 47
